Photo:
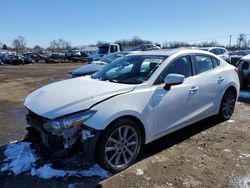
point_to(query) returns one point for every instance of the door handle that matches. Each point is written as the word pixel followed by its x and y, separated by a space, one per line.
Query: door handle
pixel 220 79
pixel 194 89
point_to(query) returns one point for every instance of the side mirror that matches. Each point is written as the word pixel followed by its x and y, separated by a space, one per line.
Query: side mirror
pixel 173 79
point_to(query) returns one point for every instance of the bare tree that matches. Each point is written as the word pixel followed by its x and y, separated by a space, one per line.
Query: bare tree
pixel 5 47
pixel 37 49
pixel 54 46
pixel 248 43
pixel 63 44
pixel 101 43
pixel 57 45
pixel 19 44
pixel 134 41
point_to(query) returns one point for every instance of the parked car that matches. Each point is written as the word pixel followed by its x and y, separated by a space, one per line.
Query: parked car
pixel 145 47
pixel 132 101
pixel 31 55
pixel 73 53
pixel 244 67
pixel 219 51
pixel 96 65
pixel 13 59
pixel 1 58
pixel 55 58
pixel 236 55
pixel 28 60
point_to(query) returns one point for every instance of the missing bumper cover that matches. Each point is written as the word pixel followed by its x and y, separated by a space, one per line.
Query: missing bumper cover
pixel 74 147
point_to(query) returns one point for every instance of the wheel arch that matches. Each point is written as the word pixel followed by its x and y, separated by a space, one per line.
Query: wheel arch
pixel 229 87
pixel 233 88
pixel 133 118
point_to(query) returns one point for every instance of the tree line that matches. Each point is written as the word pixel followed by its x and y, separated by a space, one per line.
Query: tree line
pixel 19 44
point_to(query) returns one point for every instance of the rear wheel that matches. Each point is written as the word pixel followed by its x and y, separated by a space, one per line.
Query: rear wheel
pixel 227 104
pixel 119 145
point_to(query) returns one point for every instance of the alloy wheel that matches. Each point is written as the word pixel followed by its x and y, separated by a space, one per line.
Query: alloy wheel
pixel 121 147
pixel 228 104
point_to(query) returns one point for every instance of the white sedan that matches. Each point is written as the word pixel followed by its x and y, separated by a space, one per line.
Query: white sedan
pixel 132 101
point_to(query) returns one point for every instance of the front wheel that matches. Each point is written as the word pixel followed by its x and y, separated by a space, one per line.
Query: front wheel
pixel 119 145
pixel 227 105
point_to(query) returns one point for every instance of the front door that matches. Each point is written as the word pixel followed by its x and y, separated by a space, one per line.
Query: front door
pixel 179 104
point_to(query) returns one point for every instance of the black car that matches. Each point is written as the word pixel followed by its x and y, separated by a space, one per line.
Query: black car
pixel 244 71
pixel 237 55
pixel 13 60
pixel 56 58
pixel 28 60
pixel 34 56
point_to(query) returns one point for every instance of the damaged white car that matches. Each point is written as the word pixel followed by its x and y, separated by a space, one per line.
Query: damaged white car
pixel 106 117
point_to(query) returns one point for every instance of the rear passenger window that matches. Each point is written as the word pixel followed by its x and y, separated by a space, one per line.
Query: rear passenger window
pixel 216 62
pixel 203 63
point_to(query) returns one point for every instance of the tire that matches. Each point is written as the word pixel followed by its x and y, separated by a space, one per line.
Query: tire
pixel 227 105
pixel 115 153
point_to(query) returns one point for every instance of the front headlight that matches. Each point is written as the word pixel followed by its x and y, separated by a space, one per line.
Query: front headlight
pixel 60 124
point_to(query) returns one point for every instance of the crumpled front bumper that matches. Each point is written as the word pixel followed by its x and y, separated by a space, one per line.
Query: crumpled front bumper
pixel 75 148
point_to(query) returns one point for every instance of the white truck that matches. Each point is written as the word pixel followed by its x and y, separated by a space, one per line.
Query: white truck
pixel 105 49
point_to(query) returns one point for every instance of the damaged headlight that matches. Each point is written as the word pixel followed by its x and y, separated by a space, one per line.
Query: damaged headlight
pixel 67 122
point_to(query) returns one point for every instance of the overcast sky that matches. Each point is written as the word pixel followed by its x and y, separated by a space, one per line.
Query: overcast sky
pixel 83 22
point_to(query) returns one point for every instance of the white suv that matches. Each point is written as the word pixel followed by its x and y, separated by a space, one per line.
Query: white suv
pixel 132 101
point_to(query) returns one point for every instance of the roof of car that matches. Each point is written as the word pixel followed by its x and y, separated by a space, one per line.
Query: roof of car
pixel 168 52
pixel 209 48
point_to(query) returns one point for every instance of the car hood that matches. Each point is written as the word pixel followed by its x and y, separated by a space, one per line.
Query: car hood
pixel 73 95
pixel 90 68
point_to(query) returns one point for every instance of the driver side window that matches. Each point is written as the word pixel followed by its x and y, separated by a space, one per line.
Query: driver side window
pixel 181 66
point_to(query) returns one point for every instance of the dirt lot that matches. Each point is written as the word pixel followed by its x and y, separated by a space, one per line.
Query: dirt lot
pixel 206 154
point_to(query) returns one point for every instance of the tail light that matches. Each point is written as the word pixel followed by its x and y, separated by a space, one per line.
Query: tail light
pixel 237 70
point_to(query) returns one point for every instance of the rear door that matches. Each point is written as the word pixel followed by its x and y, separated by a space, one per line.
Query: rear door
pixel 211 83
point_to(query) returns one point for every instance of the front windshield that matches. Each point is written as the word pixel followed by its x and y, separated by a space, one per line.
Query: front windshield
pixel 103 50
pixel 130 69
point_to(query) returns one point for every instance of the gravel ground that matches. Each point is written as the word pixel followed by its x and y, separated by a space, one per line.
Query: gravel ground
pixel 206 154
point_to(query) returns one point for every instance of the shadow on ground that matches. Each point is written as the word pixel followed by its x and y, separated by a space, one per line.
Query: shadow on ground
pixel 177 137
